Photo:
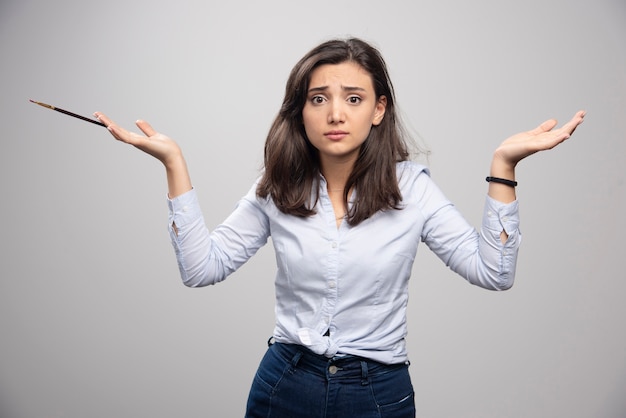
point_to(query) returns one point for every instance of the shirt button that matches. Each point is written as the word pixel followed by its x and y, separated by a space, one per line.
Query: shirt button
pixel 505 218
pixel 331 284
pixel 332 369
pixel 334 244
pixel 185 208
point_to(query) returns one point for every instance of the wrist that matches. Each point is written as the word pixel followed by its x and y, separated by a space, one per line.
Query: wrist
pixel 502 189
pixel 174 161
pixel 178 180
pixel 502 169
pixel 499 180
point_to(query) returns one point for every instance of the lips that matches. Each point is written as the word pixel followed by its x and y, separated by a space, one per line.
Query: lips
pixel 335 135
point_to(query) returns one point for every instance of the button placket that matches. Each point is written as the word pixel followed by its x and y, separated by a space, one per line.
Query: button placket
pixel 332 261
pixel 331 283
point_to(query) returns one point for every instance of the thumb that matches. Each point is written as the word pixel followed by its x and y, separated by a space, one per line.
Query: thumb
pixel 145 128
pixel 546 126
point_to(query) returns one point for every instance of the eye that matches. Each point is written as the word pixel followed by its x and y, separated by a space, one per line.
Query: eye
pixel 317 99
pixel 354 100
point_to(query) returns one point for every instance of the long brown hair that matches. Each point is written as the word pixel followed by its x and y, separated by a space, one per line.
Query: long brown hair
pixel 292 167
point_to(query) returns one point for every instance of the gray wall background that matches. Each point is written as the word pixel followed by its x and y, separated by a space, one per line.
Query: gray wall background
pixel 94 321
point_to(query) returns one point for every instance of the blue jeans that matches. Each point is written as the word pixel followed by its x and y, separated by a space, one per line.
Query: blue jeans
pixel 293 382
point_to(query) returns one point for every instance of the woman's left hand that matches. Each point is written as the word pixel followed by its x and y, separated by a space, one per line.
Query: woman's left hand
pixel 543 137
pixel 520 146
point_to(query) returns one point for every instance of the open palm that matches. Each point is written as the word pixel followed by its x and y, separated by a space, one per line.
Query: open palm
pixel 544 137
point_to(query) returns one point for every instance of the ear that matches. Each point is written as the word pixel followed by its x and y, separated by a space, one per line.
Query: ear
pixel 379 111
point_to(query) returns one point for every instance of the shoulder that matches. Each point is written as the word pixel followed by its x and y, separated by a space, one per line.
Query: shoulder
pixel 409 171
pixel 253 193
pixel 262 204
pixel 416 184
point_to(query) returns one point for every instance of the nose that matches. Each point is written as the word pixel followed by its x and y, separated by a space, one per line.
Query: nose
pixel 336 112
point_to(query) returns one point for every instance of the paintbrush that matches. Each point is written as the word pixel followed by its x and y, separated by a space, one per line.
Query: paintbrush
pixel 67 112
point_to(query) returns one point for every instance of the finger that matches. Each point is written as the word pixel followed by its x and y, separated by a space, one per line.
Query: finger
pixel 118 133
pixel 544 127
pixel 103 118
pixel 566 131
pixel 145 128
pixel 107 122
pixel 578 118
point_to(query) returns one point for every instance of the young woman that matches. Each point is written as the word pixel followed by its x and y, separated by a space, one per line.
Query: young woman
pixel 346 210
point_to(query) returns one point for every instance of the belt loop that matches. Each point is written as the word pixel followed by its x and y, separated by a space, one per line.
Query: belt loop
pixel 364 379
pixel 270 341
pixel 295 360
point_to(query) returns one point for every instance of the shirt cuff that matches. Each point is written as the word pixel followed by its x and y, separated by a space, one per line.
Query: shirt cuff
pixel 500 216
pixel 184 209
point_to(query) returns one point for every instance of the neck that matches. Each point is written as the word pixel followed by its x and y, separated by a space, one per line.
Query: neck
pixel 336 174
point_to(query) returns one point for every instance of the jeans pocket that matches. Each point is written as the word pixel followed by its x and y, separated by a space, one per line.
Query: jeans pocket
pixel 404 408
pixel 393 393
pixel 267 378
pixel 272 369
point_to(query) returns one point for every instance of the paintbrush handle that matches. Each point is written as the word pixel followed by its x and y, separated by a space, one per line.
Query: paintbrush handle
pixel 67 112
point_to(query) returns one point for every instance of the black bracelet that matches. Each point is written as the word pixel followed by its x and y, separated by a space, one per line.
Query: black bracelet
pixel 501 181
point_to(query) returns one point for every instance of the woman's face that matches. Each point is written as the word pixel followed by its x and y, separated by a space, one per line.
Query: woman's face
pixel 340 110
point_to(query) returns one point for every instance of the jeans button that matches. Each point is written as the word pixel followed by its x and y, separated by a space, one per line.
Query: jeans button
pixel 332 369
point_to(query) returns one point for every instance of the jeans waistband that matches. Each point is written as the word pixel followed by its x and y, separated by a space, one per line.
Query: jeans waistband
pixel 344 367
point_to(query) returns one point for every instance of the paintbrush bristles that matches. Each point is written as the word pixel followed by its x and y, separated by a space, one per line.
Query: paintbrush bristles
pixel 42 104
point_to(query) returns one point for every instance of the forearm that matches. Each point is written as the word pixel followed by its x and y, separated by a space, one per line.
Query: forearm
pixel 500 169
pixel 178 179
pixel 502 192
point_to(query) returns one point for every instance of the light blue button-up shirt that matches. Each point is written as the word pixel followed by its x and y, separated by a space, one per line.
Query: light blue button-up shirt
pixel 349 281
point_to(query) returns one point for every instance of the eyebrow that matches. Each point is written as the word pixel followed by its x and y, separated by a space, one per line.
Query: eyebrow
pixel 345 88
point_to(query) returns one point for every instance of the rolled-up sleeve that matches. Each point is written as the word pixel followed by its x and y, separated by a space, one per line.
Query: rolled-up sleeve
pixel 499 258
pixel 206 257
pixel 479 256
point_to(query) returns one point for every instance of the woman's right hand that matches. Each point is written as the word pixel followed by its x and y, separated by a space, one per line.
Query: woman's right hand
pixel 153 143
pixel 157 145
